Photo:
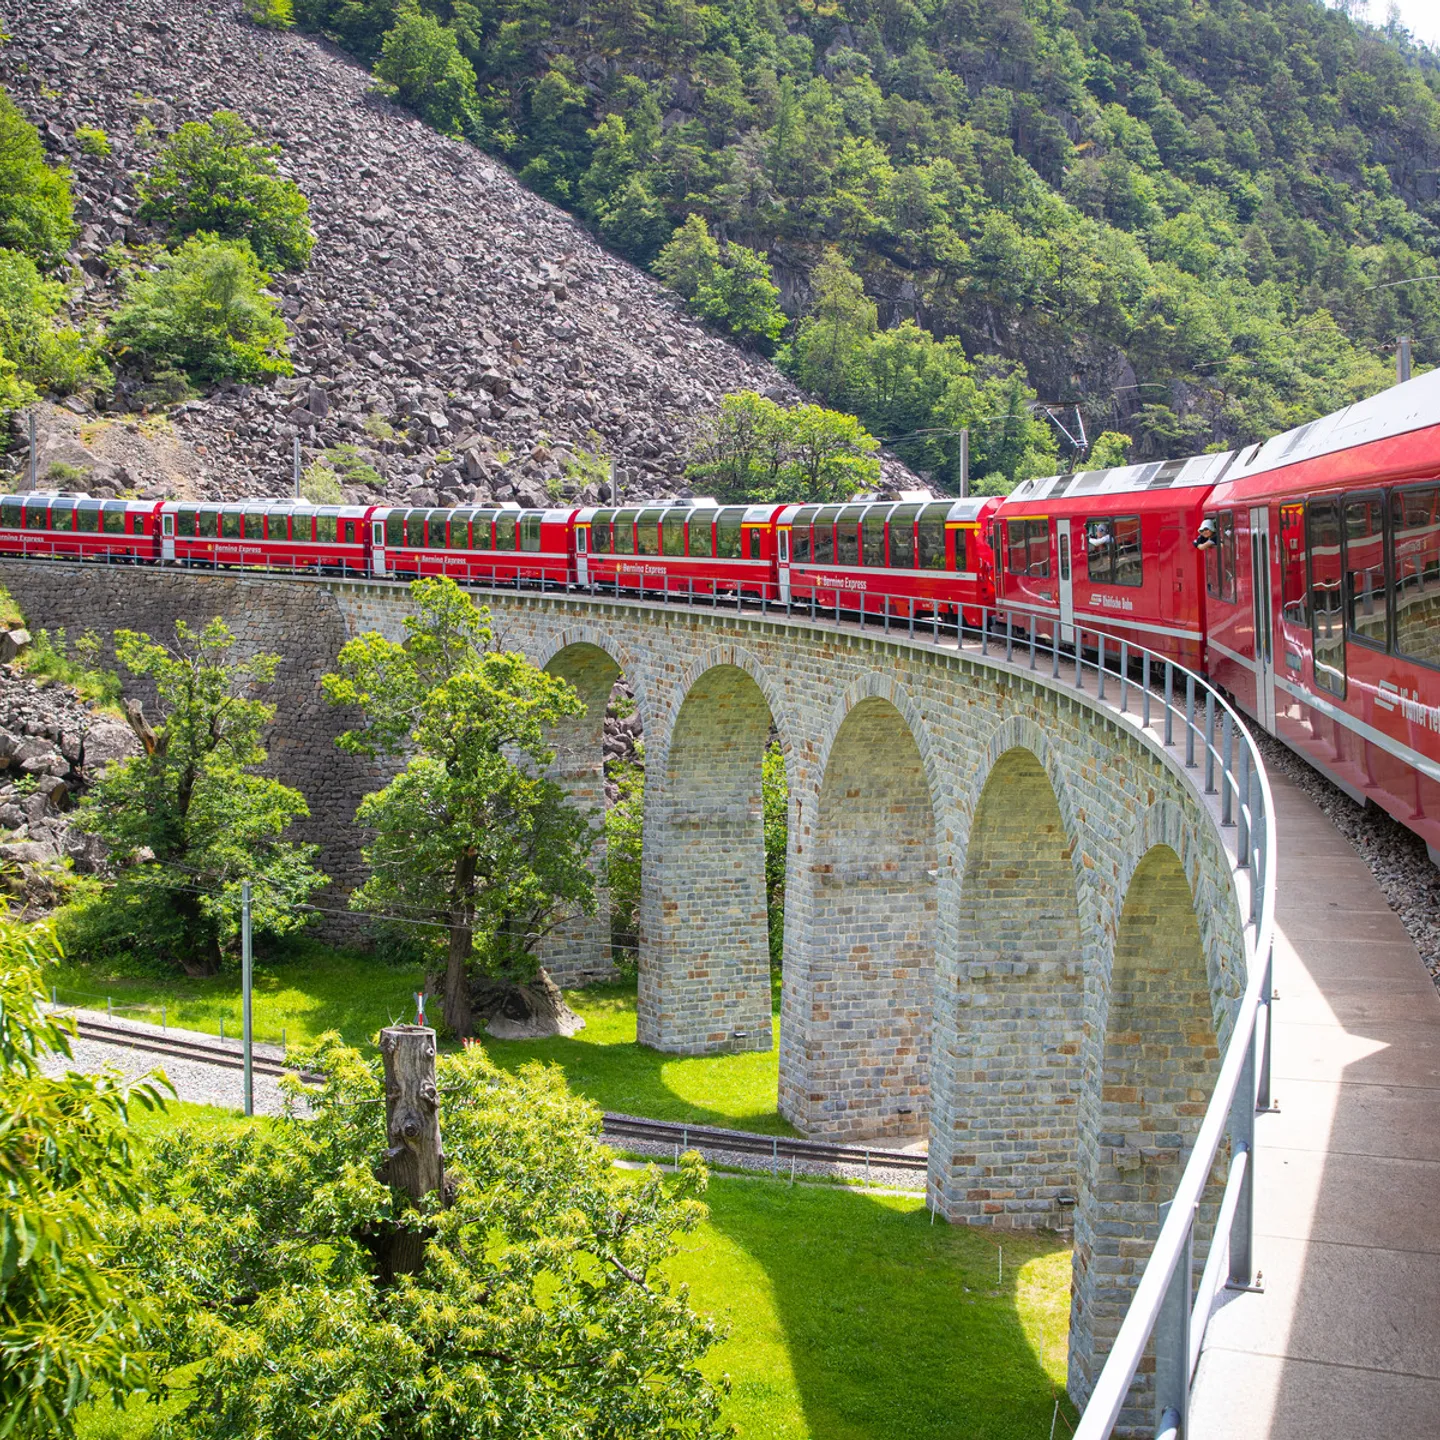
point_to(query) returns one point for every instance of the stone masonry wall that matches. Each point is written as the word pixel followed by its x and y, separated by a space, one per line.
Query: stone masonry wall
pixel 1033 805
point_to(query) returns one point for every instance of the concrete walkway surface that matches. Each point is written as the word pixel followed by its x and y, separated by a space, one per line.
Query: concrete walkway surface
pixel 1344 1343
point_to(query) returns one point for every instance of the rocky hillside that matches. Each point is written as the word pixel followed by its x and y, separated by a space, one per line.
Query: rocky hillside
pixel 439 287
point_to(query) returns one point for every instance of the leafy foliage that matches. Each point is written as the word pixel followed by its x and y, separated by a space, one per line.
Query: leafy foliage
pixel 352 467
pixel 754 449
pixel 92 140
pixel 775 800
pixel 321 485
pixel 541 1310
pixel 1108 451
pixel 270 14
pixel 188 820
pixel 422 60
pixel 624 831
pixel 203 311
pixel 70 1327
pixel 36 212
pixel 48 355
pixel 470 835
pixel 213 177
pixel 730 287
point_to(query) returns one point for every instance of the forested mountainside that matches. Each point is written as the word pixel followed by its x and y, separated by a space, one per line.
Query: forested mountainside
pixel 1183 215
pixel 452 331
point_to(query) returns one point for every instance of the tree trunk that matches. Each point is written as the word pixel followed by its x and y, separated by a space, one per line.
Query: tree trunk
pixel 413 1163
pixel 457 962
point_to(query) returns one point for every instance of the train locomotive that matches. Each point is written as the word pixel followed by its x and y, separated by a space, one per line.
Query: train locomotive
pixel 1302 575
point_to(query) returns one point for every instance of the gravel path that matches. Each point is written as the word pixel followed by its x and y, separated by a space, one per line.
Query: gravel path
pixel 1396 856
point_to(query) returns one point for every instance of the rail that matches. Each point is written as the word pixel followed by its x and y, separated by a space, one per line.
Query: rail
pixel 1204 732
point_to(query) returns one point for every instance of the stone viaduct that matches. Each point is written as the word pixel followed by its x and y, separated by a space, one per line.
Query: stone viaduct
pixel 1010 922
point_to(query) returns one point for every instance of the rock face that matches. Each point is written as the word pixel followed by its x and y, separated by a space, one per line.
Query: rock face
pixel 522 1012
pixel 465 336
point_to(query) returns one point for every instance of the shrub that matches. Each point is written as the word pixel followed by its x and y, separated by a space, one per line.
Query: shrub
pixel 731 288
pixel 48 356
pixel 321 485
pixel 422 60
pixel 92 140
pixel 215 177
pixel 270 14
pixel 353 468
pixel 203 311
pixel 36 214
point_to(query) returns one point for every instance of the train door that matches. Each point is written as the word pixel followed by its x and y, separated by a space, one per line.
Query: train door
pixel 582 556
pixel 782 563
pixel 167 537
pixel 377 548
pixel 1067 582
pixel 1260 580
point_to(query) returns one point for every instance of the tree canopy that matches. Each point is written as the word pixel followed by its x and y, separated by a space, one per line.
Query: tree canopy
pixel 471 835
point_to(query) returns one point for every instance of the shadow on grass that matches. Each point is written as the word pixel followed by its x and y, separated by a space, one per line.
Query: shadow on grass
pixel 851 1317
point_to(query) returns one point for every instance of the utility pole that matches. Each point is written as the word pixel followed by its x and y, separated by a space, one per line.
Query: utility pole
pixel 964 463
pixel 34 456
pixel 1402 359
pixel 297 467
pixel 246 982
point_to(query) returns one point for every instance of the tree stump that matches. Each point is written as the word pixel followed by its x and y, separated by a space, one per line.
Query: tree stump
pixel 413 1163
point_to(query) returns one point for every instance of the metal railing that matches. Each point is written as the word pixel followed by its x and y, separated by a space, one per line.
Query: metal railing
pixel 1204 732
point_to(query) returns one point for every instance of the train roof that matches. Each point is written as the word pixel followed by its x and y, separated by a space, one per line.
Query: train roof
pixel 965 510
pixel 1193 471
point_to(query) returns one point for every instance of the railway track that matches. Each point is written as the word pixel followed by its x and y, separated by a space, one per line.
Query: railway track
pixel 772 1148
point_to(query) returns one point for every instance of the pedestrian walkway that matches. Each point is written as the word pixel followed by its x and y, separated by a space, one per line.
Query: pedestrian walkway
pixel 1344 1342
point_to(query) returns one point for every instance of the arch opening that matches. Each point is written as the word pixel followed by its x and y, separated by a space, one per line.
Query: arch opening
pixel 1161 1056
pixel 1005 1138
pixel 860 938
pixel 704 982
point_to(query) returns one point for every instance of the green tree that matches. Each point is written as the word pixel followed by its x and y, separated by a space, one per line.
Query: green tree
pixel 624 829
pixel 36 212
pixel 470 835
pixel 690 259
pixel 48 355
pixel 421 58
pixel 542 1307
pixel 202 310
pixel 730 288
pixel 188 820
pixel 831 341
pixel 213 176
pixel 1109 450
pixel 70 1325
pixel 830 456
pixel 775 800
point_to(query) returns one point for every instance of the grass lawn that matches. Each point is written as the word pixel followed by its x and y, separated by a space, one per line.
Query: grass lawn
pixel 850 1317
pixel 319 989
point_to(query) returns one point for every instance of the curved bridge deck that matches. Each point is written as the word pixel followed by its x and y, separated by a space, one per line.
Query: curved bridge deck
pixel 1345 1340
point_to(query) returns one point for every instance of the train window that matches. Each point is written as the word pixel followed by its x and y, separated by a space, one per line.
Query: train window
pixel 1112 550
pixel 113 517
pixel 1327 595
pixel 647 532
pixel 823 536
pixel 755 544
pixel 530 523
pixel 230 525
pixel 255 524
pixel 326 527
pixel 12 513
pixel 673 532
pixel 625 532
pixel 185 523
pixel 702 537
pixel 727 532
pixel 435 525
pixel 62 515
pixel 302 526
pixel 1220 559
pixel 1367 615
pixel 902 537
pixel 930 538
pixel 87 516
pixel 395 529
pixel 962 548
pixel 847 535
pixel 37 515
pixel 1415 534
pixel 1028 546
pixel 482 529
pixel 505 529
pixel 602 541
pixel 460 529
pixel 209 524
pixel 872 535
pixel 800 535
pixel 1294 609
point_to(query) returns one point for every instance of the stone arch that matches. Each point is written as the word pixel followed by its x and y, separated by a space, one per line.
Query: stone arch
pixel 704 937
pixel 860 926
pixel 1009 1051
pixel 1176 967
pixel 578 952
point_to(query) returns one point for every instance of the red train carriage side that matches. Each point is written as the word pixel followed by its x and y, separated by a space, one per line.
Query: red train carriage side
pixel 80 528
pixel 930 557
pixel 694 548
pixel 1328 554
pixel 1110 550
pixel 489 545
pixel 270 534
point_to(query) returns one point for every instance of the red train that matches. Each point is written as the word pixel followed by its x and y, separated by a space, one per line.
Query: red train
pixel 1302 575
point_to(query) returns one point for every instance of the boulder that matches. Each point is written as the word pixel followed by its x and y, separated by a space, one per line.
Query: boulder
pixel 12 642
pixel 523 1012
pixel 108 739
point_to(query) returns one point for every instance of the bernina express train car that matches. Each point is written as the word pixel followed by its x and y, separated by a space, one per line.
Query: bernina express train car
pixel 267 534
pixel 1323 596
pixel 1110 550
pixel 505 545
pixel 914 558
pixel 76 527
pixel 690 548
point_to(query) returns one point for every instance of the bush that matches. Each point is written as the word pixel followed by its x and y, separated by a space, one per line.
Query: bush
pixel 203 311
pixel 321 485
pixel 36 214
pixel 52 656
pixel 351 467
pixel 215 177
pixel 422 60
pixel 48 356
pixel 270 14
pixel 731 288
pixel 92 140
